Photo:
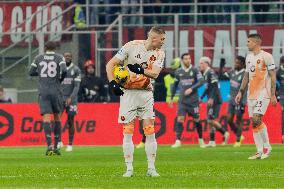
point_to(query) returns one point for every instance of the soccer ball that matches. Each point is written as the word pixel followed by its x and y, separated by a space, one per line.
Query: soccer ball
pixel 121 74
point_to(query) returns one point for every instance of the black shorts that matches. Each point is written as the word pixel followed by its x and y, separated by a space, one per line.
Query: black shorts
pixel 233 108
pixel 50 103
pixel 72 109
pixel 213 111
pixel 192 111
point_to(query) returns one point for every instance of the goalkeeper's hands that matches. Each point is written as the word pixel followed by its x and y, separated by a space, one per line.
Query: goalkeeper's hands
pixel 136 68
pixel 115 88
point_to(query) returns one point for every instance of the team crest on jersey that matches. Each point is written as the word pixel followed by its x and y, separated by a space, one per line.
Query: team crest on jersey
pixel 153 58
pixel 72 72
pixel 240 78
pixel 122 118
pixel 190 73
pixel 252 68
pixel 258 61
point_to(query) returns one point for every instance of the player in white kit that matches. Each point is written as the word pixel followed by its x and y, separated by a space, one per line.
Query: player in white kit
pixel 260 76
pixel 144 59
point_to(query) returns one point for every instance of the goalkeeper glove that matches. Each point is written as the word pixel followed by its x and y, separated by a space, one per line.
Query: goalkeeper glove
pixel 136 68
pixel 115 88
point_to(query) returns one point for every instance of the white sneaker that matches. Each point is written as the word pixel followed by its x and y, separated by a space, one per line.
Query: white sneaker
pixel 201 143
pixel 60 145
pixel 255 156
pixel 69 148
pixel 152 173
pixel 211 144
pixel 128 173
pixel 266 153
pixel 177 144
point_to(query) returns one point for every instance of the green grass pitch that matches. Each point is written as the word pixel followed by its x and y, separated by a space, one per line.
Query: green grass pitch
pixel 102 167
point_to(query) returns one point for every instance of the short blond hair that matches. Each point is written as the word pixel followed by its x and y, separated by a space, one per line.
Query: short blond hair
pixel 157 30
pixel 205 59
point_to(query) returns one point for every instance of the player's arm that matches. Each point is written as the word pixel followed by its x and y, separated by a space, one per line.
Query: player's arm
pixel 268 59
pixel 242 87
pixel 175 86
pixel 110 66
pixel 77 81
pixel 33 69
pixel 116 60
pixel 63 69
pixel 151 73
pixel 272 75
pixel 244 83
pixel 200 81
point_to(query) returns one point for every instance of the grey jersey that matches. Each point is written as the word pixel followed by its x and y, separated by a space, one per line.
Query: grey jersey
pixel 212 87
pixel 49 68
pixel 280 79
pixel 72 79
pixel 236 78
pixel 191 78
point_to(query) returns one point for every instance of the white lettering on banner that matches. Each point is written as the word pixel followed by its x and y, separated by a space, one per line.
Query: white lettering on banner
pixel 41 19
pixel 28 23
pixel 169 44
pixel 56 25
pixel 242 42
pixel 1 24
pixel 222 48
pixel 183 42
pixel 278 45
pixel 17 17
pixel 198 46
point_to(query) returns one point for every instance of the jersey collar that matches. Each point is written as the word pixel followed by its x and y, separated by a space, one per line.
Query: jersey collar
pixel 206 71
pixel 49 52
pixel 240 71
pixel 186 69
pixel 70 66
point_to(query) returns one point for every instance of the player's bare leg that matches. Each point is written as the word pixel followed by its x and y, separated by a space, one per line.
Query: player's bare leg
pixel 263 135
pixel 128 148
pixel 47 131
pixel 150 146
pixel 57 132
pixel 178 129
pixel 260 136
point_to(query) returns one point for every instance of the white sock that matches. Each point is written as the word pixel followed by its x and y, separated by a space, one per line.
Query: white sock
pixel 128 150
pixel 151 149
pixel 258 141
pixel 264 135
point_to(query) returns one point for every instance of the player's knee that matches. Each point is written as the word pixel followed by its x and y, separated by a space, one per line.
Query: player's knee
pixel 180 119
pixel 128 129
pixel 256 121
pixel 149 130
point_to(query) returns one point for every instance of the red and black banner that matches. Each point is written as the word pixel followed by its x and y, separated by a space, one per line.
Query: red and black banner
pixel 96 124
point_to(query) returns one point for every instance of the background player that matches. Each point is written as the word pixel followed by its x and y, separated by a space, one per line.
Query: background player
pixel 188 79
pixel 236 77
pixel 280 78
pixel 214 100
pixel 70 88
pixel 145 60
pixel 51 70
pixel 261 79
